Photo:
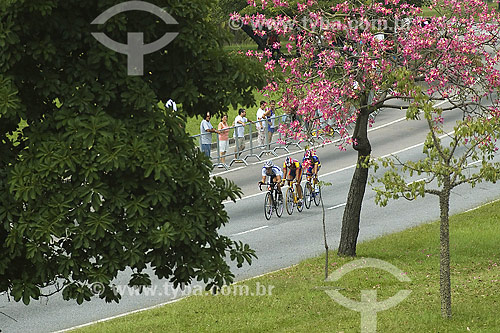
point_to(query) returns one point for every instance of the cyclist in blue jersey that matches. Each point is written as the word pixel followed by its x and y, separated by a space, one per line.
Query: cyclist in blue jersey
pixel 311 165
pixel 273 171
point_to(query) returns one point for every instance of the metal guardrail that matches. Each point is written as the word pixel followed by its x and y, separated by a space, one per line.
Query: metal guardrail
pixel 272 142
pixel 238 145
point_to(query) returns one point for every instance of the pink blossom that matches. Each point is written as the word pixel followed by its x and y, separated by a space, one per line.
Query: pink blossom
pixel 344 59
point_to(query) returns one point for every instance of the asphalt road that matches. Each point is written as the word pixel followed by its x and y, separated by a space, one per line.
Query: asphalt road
pixel 279 242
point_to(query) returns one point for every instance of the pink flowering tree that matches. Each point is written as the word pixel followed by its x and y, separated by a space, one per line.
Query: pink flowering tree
pixel 356 58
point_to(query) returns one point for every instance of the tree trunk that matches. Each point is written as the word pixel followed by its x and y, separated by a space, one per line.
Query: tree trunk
pixel 444 262
pixel 352 211
pixel 261 44
pixel 324 238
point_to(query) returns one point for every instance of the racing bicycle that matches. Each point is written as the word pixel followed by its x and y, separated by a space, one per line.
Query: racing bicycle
pixel 292 198
pixel 272 201
pixel 312 192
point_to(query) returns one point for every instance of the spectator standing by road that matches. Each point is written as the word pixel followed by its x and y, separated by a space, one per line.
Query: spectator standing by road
pixel 206 130
pixel 260 124
pixel 270 121
pixel 239 132
pixel 223 137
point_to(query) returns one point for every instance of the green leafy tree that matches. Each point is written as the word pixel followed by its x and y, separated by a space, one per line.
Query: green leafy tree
pixel 95 175
pixel 463 156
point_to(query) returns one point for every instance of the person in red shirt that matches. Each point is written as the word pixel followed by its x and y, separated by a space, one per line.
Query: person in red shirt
pixel 223 137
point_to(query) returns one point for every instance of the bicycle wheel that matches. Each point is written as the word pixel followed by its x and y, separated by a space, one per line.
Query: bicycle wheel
pixel 300 205
pixel 279 205
pixel 317 197
pixel 307 195
pixel 268 206
pixel 289 201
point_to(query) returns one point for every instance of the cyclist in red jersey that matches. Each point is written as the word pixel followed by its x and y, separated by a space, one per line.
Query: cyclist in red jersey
pixel 292 171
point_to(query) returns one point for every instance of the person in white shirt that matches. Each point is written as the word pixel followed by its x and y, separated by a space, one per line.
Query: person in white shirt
pixel 260 124
pixel 239 131
pixel 271 128
pixel 206 130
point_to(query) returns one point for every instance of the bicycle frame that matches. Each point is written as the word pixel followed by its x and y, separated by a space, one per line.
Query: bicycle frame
pixel 292 194
pixel 272 196
pixel 270 188
pixel 293 184
pixel 310 193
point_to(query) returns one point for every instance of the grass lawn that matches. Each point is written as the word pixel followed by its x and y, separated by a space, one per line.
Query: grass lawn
pixel 241 47
pixel 298 302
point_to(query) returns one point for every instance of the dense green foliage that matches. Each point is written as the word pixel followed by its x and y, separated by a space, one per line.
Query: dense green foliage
pixel 102 178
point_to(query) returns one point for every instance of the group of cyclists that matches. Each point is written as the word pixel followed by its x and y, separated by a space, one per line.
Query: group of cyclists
pixel 292 172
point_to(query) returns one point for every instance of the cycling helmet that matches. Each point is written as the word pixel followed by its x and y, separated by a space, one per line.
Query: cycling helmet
pixel 307 154
pixel 268 164
pixel 288 162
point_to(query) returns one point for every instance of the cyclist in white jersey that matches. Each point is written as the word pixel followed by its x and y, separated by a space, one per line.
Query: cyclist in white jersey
pixel 273 171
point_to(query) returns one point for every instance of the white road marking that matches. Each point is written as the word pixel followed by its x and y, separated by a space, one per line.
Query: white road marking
pixel 337 206
pixel 474 163
pixel 251 230
pixel 387 155
pixel 166 303
pixel 415 146
pixel 117 316
pixel 226 171
pixel 416 181
pixel 385 125
pixel 472 209
pixel 247 197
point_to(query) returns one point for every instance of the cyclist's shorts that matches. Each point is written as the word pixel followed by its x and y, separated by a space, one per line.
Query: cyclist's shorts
pixel 293 174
